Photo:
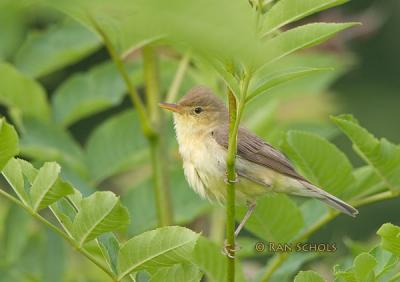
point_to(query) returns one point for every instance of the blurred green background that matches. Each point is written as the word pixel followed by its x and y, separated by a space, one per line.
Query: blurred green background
pixel 366 84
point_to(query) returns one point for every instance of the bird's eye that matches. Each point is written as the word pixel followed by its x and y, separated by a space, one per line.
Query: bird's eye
pixel 198 110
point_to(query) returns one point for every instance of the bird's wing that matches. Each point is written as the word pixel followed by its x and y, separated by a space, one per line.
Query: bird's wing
pixel 252 148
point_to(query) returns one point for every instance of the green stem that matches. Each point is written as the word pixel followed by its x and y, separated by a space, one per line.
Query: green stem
pixel 277 260
pixel 151 80
pixel 162 196
pixel 160 187
pixel 59 232
pixel 177 82
pixel 395 278
pixel 147 121
pixel 235 113
pixel 137 102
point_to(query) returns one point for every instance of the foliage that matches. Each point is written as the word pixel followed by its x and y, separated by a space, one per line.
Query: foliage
pixel 251 50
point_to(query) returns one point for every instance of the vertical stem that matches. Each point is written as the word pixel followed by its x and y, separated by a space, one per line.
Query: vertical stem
pixel 151 79
pixel 162 196
pixel 176 83
pixel 231 176
pixel 161 192
pixel 235 113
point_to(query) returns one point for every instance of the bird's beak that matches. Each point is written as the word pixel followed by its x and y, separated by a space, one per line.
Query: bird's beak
pixel 171 107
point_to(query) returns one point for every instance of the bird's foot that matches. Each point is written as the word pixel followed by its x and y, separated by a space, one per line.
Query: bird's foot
pixel 230 251
pixel 227 181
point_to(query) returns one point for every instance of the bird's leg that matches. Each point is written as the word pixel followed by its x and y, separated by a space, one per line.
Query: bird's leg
pixel 229 250
pixel 251 207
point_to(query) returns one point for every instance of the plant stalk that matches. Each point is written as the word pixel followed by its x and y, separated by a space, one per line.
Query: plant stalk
pixel 137 102
pixel 235 113
pixel 160 183
pixel 149 119
pixel 59 232
pixel 177 82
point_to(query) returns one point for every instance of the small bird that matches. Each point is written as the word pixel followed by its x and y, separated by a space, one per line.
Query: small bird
pixel 202 129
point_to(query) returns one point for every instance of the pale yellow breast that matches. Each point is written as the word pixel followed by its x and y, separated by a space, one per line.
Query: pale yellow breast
pixel 203 161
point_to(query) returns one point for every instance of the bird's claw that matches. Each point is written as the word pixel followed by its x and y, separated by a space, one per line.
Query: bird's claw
pixel 230 251
pixel 227 181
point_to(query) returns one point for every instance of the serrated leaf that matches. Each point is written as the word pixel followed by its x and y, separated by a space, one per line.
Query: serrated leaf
pixel 386 262
pixel 47 188
pixel 100 88
pixel 287 11
pixel 270 217
pixel 163 246
pixel 308 276
pixel 209 258
pixel 177 273
pixel 115 145
pixel 13 174
pixel 367 182
pixel 319 160
pixel 298 38
pixel 99 213
pixel 280 78
pixel 8 142
pixel 110 248
pixel 58 46
pixel 390 238
pixel 381 154
pixel 22 95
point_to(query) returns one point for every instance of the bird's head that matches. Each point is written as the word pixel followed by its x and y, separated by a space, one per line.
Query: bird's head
pixel 198 110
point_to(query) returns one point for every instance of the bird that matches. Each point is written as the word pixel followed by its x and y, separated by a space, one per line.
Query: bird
pixel 201 122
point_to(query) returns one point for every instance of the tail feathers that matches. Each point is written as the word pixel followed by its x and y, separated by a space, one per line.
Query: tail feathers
pixel 314 191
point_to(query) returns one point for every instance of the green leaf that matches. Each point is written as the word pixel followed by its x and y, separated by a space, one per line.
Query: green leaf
pixel 12 27
pixel 46 141
pixel 115 145
pixel 292 265
pixel 22 95
pixel 8 142
pixel 177 273
pixel 280 78
pixel 364 265
pixel 99 213
pixel 187 204
pixel 13 174
pixel 390 238
pixel 207 255
pixel 54 259
pixel 386 263
pixel 361 271
pixel 320 161
pixel 209 258
pixel 59 46
pixel 367 183
pixel 16 233
pixel 110 248
pixel 47 188
pixel 308 276
pixel 287 11
pixel 163 246
pixel 151 16
pixel 270 217
pixel 299 38
pixel 100 88
pixel 381 154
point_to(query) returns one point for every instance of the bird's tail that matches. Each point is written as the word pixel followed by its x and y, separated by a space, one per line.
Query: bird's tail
pixel 314 191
